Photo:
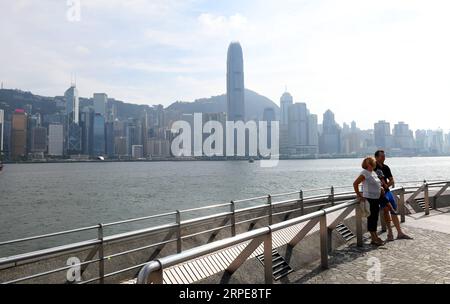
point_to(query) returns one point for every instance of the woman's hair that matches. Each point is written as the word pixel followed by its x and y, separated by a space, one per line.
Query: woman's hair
pixel 369 161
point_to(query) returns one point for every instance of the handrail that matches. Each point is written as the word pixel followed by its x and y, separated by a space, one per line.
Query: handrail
pixel 168 261
pixel 338 201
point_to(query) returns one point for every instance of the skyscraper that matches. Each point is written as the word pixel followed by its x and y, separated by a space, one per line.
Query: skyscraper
pixel 72 104
pixel 269 117
pixel 100 100
pixel 286 100
pixel 73 130
pixel 99 135
pixel 39 140
pixel 235 83
pixel 2 128
pixel 55 140
pixel 302 130
pixel 382 133
pixel 330 139
pixel 87 130
pixel 19 134
pixel 403 137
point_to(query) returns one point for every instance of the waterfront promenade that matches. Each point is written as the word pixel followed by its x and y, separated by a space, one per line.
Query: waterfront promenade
pixel 425 259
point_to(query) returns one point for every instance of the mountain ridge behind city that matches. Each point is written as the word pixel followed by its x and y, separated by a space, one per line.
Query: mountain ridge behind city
pixel 11 99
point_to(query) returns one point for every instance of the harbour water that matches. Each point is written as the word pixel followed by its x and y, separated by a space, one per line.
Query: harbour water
pixel 44 198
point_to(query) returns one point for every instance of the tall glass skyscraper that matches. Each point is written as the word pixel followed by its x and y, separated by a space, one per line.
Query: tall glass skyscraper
pixel 72 104
pixel 235 83
pixel 99 135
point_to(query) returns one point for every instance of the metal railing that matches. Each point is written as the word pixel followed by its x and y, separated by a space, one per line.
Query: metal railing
pixel 152 272
pixel 295 201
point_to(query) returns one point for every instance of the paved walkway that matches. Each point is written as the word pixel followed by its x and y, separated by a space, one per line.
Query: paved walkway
pixel 425 259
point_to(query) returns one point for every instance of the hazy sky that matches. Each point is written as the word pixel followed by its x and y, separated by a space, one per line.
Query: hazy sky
pixel 365 60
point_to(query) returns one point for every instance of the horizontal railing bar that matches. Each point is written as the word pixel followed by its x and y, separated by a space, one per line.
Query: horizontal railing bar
pixel 205 231
pixel 284 194
pixel 250 199
pixel 205 207
pixel 49 251
pixel 114 273
pixel 139 232
pixel 254 219
pixel 41 274
pixel 139 219
pixel 48 235
pixel 204 218
pixel 139 249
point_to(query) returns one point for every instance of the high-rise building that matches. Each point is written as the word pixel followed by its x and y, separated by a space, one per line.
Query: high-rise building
pixel 109 138
pixel 72 104
pixel 2 128
pixel 99 135
pixel 235 83
pixel 39 140
pixel 403 137
pixel 330 139
pixel 302 130
pixel 7 139
pixel 56 140
pixel 382 133
pixel 87 131
pixel 19 134
pixel 100 100
pixel 286 101
pixel 73 132
pixel 269 117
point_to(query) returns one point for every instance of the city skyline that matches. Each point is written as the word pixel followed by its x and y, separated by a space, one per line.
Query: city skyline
pixel 393 59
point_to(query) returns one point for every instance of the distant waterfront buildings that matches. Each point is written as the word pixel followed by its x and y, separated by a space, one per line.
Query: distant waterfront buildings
pixel 302 131
pixel 39 140
pixel 382 135
pixel 2 127
pixel 56 140
pixel 19 135
pixel 330 138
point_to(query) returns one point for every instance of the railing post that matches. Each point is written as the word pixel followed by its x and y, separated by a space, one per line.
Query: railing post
pixel 332 196
pixel 233 218
pixel 323 241
pixel 302 205
pixel 268 275
pixel 359 230
pixel 329 239
pixel 269 204
pixel 427 199
pixel 178 219
pixel 101 256
pixel 402 205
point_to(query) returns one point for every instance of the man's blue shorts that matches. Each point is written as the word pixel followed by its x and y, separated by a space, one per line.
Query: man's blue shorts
pixel 388 198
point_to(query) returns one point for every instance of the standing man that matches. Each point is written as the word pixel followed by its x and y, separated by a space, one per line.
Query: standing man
pixel 387 180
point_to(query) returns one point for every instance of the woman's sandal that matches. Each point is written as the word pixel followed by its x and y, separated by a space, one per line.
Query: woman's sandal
pixel 378 242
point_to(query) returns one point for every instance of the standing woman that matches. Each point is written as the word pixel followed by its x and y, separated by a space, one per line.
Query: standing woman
pixel 372 191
